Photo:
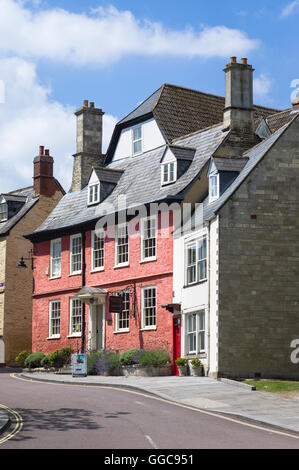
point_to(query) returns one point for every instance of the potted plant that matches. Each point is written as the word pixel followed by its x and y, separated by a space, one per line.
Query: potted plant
pixel 182 364
pixel 196 368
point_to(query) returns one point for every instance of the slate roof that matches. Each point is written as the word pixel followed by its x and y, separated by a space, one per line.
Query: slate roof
pixel 254 156
pixel 180 111
pixel 275 121
pixel 230 164
pixel 140 184
pixel 26 195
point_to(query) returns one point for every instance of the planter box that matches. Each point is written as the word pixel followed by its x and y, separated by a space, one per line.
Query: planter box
pixel 183 370
pixel 196 371
pixel 138 371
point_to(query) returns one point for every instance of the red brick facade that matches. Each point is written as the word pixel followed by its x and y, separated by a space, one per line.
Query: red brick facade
pixel 137 275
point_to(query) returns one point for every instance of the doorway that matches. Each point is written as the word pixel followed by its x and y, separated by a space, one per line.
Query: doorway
pixel 96 331
pixel 176 342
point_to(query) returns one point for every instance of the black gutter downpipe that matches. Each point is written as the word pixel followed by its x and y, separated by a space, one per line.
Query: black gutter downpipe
pixel 83 343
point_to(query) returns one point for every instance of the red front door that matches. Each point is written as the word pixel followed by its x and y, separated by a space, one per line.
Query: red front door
pixel 176 342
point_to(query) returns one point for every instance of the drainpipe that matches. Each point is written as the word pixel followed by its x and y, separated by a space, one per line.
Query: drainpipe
pixel 83 345
pixel 209 301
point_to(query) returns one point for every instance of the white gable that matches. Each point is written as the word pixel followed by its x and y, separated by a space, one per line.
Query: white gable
pixel 168 156
pixel 151 138
pixel 93 178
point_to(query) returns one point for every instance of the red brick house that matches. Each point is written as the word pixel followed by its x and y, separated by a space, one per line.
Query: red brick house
pixel 99 243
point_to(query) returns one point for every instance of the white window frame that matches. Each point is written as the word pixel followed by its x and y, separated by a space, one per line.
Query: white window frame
pixel 144 239
pixel 117 245
pixel 144 307
pixel 93 235
pixel 200 329
pixel 4 213
pixel 73 237
pixel 71 315
pixel 196 244
pixel 91 192
pixel 117 315
pixel 212 196
pixel 169 180
pixel 134 141
pixel 54 276
pixel 51 334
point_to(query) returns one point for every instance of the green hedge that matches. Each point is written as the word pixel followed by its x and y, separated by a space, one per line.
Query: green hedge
pixel 57 358
pixel 34 360
pixel 21 357
pixel 154 358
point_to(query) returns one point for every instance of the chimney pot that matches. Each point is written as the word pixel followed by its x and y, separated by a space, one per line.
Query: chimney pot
pixel 85 103
pixel 244 61
pixel 92 104
pixel 41 150
pixel 233 60
pixel 47 153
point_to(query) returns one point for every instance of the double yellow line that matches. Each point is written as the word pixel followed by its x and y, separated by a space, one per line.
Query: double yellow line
pixel 18 423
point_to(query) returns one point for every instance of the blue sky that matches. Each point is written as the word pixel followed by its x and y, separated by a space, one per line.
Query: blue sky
pixel 53 55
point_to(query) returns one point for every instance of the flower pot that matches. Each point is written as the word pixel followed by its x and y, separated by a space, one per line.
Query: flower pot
pixel 183 371
pixel 196 371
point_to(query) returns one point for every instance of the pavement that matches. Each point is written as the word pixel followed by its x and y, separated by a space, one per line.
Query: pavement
pixel 225 397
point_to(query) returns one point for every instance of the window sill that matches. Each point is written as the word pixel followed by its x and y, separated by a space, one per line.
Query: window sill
pixel 149 328
pixel 54 277
pixel 53 337
pixel 195 284
pixel 78 273
pixel 78 335
pixel 121 331
pixel 149 260
pixel 97 270
pixel 118 266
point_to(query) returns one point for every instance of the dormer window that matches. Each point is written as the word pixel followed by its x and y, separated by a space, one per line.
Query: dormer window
pixel 169 172
pixel 213 187
pixel 137 139
pixel 93 193
pixel 3 212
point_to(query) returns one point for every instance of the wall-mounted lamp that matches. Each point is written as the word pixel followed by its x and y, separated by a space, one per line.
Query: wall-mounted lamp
pixel 22 263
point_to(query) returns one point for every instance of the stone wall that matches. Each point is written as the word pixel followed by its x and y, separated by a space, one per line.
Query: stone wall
pixel 19 282
pixel 259 267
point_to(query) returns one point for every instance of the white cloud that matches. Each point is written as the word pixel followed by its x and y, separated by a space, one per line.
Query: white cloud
pixel 262 86
pixel 106 35
pixel 289 9
pixel 29 118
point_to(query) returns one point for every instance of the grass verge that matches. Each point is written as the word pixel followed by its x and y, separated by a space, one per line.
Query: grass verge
pixel 274 386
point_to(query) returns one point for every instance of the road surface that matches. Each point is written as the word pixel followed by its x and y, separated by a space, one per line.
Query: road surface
pixel 62 416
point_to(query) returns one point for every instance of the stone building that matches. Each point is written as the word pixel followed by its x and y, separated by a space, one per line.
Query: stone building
pixel 21 211
pixel 236 261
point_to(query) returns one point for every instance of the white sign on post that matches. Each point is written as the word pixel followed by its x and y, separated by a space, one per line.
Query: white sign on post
pixel 79 365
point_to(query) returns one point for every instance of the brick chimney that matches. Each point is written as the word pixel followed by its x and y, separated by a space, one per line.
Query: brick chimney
pixel 89 144
pixel 43 180
pixel 238 112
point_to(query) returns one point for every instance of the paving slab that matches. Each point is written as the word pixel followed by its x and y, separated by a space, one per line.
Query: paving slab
pixel 200 392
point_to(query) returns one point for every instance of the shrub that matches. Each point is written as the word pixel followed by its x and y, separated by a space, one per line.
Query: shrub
pixel 21 357
pixel 181 361
pixel 58 358
pixel 130 357
pixel 196 363
pixel 91 362
pixel 34 360
pixel 155 358
pixel 107 362
pixel 45 362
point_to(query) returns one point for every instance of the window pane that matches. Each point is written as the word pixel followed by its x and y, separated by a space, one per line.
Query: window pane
pixel 149 238
pixel 98 251
pixel 123 317
pixel 138 146
pixel 191 264
pixel 76 316
pixel 149 306
pixel 122 244
pixel 137 133
pixel 55 318
pixel 76 254
pixel 3 212
pixel 56 258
